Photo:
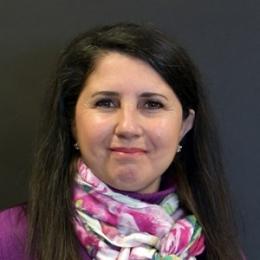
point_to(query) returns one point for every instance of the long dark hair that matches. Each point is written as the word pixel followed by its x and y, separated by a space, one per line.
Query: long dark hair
pixel 197 170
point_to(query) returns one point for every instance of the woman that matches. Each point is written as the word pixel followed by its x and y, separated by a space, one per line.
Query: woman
pixel 128 165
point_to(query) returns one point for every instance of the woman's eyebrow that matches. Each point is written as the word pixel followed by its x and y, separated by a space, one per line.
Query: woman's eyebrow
pixel 116 94
pixel 105 93
pixel 152 94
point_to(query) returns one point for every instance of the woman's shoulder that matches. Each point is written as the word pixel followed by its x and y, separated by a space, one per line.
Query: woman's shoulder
pixel 13 232
pixel 13 221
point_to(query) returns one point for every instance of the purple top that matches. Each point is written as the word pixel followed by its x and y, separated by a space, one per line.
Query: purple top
pixel 13 227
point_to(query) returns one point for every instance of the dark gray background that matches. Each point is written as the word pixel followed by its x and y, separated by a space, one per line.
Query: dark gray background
pixel 223 38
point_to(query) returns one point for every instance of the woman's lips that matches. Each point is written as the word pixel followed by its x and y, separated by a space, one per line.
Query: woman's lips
pixel 127 150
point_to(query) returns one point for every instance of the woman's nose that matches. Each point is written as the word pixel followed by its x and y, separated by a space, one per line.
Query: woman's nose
pixel 128 123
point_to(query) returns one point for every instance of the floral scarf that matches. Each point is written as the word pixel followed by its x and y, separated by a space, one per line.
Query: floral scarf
pixel 111 225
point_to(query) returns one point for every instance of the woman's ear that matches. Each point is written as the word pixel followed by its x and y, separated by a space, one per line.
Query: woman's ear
pixel 187 123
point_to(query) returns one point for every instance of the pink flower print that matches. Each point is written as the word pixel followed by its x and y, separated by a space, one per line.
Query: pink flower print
pixel 110 231
pixel 86 238
pixel 177 239
pixel 197 247
pixel 127 224
pixel 156 225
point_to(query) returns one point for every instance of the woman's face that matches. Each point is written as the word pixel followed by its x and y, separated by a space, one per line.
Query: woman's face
pixel 128 123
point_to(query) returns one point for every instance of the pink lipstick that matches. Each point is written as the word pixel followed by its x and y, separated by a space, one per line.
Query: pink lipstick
pixel 127 150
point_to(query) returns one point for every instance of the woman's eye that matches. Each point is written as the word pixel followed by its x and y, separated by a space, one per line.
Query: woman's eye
pixel 151 104
pixel 106 103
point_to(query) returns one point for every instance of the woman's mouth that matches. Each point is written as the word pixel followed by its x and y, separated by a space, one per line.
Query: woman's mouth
pixel 128 150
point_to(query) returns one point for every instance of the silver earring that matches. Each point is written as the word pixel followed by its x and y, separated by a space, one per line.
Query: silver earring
pixel 76 146
pixel 179 147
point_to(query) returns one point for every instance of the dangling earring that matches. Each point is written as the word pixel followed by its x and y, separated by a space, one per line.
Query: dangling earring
pixel 179 147
pixel 76 146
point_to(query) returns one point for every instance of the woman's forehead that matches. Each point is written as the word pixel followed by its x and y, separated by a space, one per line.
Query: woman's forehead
pixel 119 71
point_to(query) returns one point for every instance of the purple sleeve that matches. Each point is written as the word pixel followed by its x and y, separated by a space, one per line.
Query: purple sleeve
pixel 13 234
